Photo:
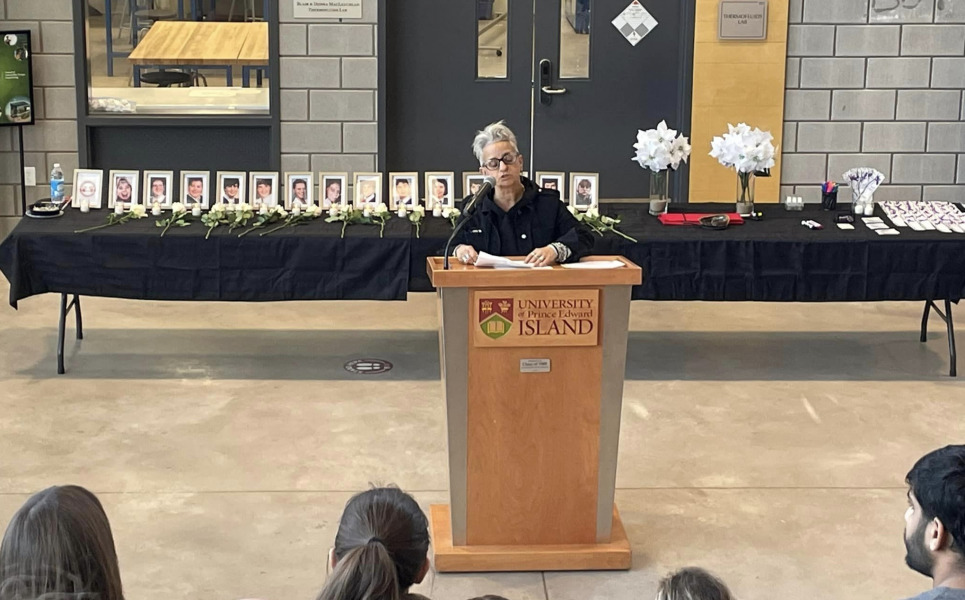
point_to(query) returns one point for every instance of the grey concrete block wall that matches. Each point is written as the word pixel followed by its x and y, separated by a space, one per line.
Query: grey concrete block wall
pixel 54 137
pixel 876 87
pixel 329 84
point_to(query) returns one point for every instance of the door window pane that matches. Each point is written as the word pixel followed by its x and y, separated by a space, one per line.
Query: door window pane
pixel 574 39
pixel 491 47
pixel 178 56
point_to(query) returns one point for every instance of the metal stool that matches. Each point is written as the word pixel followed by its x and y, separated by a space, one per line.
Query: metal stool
pixel 166 79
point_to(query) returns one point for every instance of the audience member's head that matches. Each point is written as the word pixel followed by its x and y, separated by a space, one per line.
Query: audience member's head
pixel 692 583
pixel 935 519
pixel 381 548
pixel 59 545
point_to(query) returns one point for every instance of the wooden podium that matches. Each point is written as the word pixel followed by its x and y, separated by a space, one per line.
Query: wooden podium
pixel 533 365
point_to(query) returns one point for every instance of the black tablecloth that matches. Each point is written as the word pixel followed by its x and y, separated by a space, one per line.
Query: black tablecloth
pixel 307 262
pixel 776 259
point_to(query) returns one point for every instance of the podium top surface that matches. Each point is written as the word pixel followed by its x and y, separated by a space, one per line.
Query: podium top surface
pixel 469 276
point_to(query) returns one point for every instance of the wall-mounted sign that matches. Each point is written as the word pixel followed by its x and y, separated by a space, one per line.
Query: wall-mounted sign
pixel 742 20
pixel 536 318
pixel 635 22
pixel 327 9
pixel 16 87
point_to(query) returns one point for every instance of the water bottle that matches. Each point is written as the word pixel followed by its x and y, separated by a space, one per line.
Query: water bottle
pixel 57 184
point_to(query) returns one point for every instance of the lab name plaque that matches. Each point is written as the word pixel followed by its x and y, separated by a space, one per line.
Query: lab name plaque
pixel 742 20
pixel 327 9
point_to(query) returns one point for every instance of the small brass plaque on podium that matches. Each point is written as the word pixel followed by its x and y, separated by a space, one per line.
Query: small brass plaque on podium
pixel 506 318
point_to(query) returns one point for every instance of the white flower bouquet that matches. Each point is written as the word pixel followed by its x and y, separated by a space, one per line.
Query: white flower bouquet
pixel 747 151
pixel 661 148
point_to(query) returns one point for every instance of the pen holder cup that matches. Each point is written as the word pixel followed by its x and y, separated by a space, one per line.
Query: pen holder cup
pixel 829 200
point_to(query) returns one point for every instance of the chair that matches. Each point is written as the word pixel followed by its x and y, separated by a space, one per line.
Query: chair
pixel 144 17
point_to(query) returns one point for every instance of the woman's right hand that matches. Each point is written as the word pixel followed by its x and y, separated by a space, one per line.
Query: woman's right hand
pixel 466 254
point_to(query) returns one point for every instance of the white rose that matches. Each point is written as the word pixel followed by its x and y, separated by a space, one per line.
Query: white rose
pixel 139 211
pixel 593 212
pixel 380 208
pixel 244 207
pixel 219 208
pixel 281 212
pixel 446 211
pixel 573 210
pixel 177 207
pixel 419 209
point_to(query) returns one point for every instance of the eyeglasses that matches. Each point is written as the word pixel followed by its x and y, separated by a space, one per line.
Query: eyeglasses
pixel 508 158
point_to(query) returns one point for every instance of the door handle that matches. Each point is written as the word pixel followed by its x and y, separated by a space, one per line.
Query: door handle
pixel 546 89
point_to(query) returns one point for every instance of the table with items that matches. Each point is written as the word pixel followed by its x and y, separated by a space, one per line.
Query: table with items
pixel 779 258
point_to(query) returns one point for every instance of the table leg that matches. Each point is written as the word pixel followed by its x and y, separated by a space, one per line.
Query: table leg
pixel 230 79
pixel 79 322
pixel 137 76
pixel 953 369
pixel 924 322
pixel 61 326
pixel 65 309
pixel 945 316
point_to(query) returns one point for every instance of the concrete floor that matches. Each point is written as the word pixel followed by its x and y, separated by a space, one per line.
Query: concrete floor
pixel 765 442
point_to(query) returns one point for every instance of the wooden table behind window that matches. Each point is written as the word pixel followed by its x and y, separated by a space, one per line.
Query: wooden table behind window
pixel 188 44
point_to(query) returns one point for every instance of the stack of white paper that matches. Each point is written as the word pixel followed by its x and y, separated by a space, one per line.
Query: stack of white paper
pixel 595 264
pixel 486 259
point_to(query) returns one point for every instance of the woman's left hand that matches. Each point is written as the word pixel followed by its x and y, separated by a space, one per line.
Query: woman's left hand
pixel 542 256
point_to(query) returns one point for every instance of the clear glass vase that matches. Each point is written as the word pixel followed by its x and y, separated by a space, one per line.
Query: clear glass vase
pixel 745 193
pixel 660 185
pixel 659 192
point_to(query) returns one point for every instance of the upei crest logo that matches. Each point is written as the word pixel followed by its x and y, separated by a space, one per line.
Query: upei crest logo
pixel 495 316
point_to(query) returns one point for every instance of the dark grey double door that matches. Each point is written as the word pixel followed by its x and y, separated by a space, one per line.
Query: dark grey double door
pixel 436 100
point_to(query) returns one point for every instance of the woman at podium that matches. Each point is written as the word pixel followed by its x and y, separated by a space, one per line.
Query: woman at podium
pixel 516 217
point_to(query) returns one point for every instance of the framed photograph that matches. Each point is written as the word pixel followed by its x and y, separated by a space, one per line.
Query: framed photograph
pixel 552 180
pixel 231 187
pixel 584 190
pixel 440 190
pixel 524 174
pixel 124 188
pixel 88 187
pixel 331 189
pixel 299 189
pixel 404 189
pixel 195 188
pixel 16 88
pixel 264 189
pixel 158 187
pixel 471 180
pixel 368 189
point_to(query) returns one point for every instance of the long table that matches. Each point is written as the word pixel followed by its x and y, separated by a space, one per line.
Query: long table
pixel 773 260
pixel 190 44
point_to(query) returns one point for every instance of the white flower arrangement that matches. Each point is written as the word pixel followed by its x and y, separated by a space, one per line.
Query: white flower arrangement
pixel 240 216
pixel 451 213
pixel 598 223
pixel 415 217
pixel 744 149
pixel 296 217
pixel 661 148
pixel 137 212
pixel 179 218
pixel 266 216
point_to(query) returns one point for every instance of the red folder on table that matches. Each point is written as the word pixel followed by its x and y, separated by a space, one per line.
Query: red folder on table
pixel 694 218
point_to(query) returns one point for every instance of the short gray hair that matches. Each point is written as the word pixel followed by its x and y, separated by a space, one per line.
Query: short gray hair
pixel 492 133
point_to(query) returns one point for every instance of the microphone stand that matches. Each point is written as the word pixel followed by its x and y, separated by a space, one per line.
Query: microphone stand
pixel 457 229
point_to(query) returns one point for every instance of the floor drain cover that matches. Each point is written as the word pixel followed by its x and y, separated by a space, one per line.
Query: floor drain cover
pixel 368 366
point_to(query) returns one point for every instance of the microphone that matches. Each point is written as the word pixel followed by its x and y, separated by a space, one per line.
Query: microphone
pixel 489 182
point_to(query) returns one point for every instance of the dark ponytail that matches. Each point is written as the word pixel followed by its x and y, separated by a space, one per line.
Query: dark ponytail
pixel 380 548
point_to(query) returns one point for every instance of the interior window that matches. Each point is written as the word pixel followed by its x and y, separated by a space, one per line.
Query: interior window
pixel 178 57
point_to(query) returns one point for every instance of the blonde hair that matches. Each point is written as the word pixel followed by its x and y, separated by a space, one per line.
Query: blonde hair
pixel 692 583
